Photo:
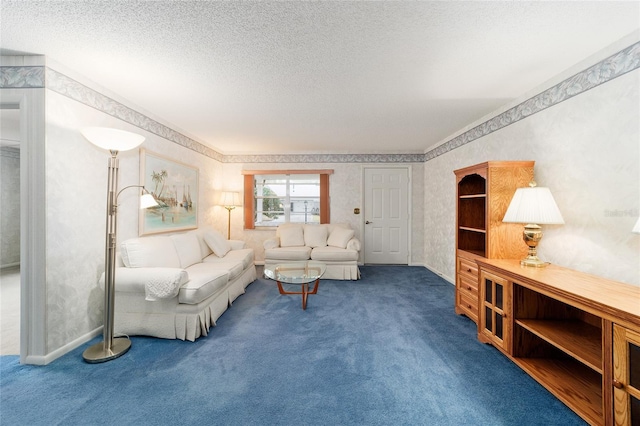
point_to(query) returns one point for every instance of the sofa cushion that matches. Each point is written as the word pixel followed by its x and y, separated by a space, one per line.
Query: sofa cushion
pixel 291 236
pixel 339 237
pixel 149 252
pixel 188 248
pixel 217 243
pixel 288 253
pixel 333 254
pixel 243 257
pixel 315 235
pixel 205 250
pixel 203 282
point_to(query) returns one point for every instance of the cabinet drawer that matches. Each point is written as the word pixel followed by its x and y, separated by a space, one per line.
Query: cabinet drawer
pixel 468 268
pixel 469 305
pixel 470 285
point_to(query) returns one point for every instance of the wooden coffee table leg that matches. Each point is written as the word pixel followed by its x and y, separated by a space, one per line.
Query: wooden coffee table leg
pixel 315 287
pixel 305 293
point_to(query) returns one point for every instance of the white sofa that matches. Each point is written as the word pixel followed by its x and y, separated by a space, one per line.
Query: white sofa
pixel 332 244
pixel 177 286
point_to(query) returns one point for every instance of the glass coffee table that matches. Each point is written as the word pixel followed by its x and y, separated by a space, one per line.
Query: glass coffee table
pixel 297 273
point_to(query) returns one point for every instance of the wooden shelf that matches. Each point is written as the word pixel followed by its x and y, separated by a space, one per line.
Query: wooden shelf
pixel 463 197
pixel 580 340
pixel 579 387
pixel 479 253
pixel 466 228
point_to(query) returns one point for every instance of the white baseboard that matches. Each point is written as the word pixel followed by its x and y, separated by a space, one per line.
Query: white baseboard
pixel 440 274
pixel 50 357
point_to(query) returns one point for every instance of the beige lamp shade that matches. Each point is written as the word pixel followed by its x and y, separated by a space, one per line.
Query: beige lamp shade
pixel 533 205
pixel 230 199
pixel 112 139
pixel 636 228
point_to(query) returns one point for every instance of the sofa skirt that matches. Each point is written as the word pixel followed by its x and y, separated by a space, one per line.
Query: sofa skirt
pixel 169 319
pixel 341 272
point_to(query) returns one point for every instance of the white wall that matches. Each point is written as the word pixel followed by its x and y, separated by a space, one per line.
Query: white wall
pixel 587 151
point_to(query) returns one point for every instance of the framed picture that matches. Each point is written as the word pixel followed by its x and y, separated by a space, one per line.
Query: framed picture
pixel 174 185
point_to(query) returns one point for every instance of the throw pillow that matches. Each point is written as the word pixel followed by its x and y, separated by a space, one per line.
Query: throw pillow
pixel 291 236
pixel 315 236
pixel 340 237
pixel 188 248
pixel 217 243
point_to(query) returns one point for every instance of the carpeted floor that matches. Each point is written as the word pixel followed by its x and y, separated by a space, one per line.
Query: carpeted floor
pixel 385 350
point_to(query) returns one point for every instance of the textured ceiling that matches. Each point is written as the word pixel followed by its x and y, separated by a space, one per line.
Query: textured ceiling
pixel 316 77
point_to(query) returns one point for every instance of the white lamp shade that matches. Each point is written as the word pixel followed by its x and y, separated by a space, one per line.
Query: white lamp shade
pixel 533 205
pixel 636 228
pixel 147 200
pixel 230 199
pixel 112 139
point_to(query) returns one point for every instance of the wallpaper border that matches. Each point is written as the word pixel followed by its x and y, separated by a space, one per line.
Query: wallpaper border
pixel 612 67
pixel 30 77
pixel 606 70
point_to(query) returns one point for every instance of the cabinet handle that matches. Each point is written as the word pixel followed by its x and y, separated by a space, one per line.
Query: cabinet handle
pixel 468 269
pixel 468 287
pixel 468 306
pixel 617 384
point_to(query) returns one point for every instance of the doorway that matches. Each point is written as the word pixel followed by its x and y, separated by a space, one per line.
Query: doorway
pixel 10 229
pixel 386 215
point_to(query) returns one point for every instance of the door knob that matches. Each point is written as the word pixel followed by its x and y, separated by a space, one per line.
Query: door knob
pixel 617 384
pixel 367 222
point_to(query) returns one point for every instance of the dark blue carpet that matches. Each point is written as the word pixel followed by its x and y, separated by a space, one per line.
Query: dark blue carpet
pixel 385 350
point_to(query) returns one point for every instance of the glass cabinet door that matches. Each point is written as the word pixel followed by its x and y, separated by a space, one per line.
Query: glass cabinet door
pixel 626 376
pixel 495 308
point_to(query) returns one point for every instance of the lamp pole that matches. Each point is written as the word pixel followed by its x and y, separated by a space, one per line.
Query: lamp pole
pixel 113 140
pixel 110 348
pixel 229 208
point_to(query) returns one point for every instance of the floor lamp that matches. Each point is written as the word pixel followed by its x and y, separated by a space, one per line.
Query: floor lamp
pixel 230 200
pixel 113 140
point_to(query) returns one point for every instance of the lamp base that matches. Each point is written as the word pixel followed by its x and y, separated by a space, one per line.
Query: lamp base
pixel 533 262
pixel 97 353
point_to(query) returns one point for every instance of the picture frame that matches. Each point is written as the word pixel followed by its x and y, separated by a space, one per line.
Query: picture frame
pixel 174 185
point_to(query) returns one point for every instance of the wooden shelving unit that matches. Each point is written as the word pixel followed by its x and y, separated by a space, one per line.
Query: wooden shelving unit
pixel 561 328
pixel 484 192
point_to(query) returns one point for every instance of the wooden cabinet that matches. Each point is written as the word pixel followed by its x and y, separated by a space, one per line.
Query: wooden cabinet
pixel 495 311
pixel 576 334
pixel 484 192
pixel 626 376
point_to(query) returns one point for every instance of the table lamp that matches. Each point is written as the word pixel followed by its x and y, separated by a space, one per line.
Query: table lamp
pixel 533 206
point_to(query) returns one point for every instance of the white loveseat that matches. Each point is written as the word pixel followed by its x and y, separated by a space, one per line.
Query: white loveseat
pixel 177 286
pixel 332 244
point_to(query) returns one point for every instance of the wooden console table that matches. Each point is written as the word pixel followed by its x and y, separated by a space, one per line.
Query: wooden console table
pixel 576 334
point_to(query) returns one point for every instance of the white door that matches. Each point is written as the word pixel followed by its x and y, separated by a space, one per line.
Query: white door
pixel 386 215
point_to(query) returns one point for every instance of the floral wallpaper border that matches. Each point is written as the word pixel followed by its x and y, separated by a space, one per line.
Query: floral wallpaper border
pixel 612 67
pixel 31 77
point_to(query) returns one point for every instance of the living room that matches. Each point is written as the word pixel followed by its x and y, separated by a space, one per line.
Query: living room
pixel 597 194
pixel 584 142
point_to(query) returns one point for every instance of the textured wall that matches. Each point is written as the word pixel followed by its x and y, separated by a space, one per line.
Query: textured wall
pixel 587 152
pixel 9 206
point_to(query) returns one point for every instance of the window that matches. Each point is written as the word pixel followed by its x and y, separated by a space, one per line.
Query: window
pixel 274 197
